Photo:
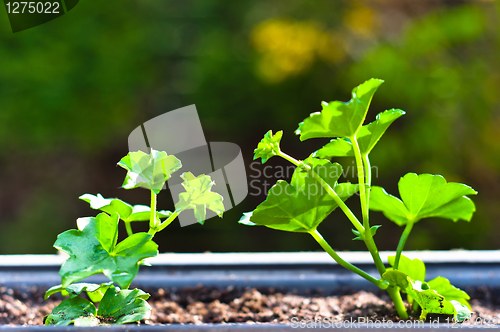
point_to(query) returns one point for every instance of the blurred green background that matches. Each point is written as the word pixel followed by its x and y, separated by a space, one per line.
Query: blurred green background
pixel 71 91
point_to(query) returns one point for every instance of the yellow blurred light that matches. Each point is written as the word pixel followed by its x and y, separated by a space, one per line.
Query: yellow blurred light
pixel 289 48
pixel 361 20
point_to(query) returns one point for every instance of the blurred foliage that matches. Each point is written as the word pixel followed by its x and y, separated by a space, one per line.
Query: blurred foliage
pixel 71 91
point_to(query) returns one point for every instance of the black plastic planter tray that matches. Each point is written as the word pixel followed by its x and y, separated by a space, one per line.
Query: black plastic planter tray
pixel 295 271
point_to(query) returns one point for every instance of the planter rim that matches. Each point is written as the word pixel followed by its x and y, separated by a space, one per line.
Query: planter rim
pixel 273 258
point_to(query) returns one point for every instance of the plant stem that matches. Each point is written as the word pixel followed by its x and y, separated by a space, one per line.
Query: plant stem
pixel 128 228
pixel 169 220
pixel 402 242
pixel 399 305
pixel 361 164
pixel 152 219
pixel 368 175
pixel 354 220
pixel 367 236
pixel 291 159
pixel 164 224
pixel 326 247
pixel 361 182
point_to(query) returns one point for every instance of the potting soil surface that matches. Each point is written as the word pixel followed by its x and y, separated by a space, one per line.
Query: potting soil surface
pixel 211 305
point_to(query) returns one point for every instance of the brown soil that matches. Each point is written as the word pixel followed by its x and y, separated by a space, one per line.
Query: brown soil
pixel 210 305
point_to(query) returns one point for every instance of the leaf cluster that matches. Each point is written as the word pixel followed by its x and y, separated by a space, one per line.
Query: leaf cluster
pixel 116 306
pixel 437 296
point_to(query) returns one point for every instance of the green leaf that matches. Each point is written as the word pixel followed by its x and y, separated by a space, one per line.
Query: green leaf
pixel 199 196
pixel 440 297
pixel 367 137
pixel 340 119
pixel 430 301
pixel 450 292
pixel 396 278
pixel 93 249
pixel 116 307
pixel 143 213
pixel 429 298
pixel 437 296
pixel 391 206
pixel 323 168
pixel 108 205
pixel 124 306
pixel 338 147
pixel 269 146
pixel 373 230
pixel 126 212
pixel 54 290
pixel 95 292
pixel 69 310
pixel 414 268
pixel 424 196
pixel 302 205
pixel 370 134
pixel 149 171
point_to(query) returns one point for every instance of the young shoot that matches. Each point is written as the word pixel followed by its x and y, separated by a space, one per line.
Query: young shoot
pixel 94 247
pixel 315 191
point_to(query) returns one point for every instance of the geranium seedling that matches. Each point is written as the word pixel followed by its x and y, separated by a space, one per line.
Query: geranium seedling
pixel 314 192
pixel 94 247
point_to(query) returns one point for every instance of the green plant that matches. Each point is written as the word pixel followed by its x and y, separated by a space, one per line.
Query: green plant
pixel 314 192
pixel 94 248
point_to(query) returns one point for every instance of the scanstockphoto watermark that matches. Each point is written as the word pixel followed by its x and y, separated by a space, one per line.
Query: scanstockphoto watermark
pixel 366 322
pixel 332 322
pixel 262 177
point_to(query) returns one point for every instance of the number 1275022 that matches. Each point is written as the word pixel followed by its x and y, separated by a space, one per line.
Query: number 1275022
pixel 32 7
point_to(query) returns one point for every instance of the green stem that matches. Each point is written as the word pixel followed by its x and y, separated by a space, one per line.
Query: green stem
pixel 399 305
pixel 164 224
pixel 368 175
pixel 128 228
pixel 361 182
pixel 169 220
pixel 414 306
pixel 354 220
pixel 292 160
pixel 392 291
pixel 402 242
pixel 361 164
pixel 153 223
pixel 326 247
